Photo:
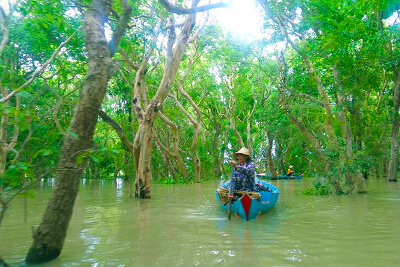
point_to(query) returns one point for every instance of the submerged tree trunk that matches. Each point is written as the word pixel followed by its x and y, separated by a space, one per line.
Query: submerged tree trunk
pixel 142 156
pixel 146 115
pixel 50 235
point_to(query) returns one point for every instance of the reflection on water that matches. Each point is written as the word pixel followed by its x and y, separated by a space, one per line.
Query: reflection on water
pixel 48 182
pixel 183 225
pixel 119 183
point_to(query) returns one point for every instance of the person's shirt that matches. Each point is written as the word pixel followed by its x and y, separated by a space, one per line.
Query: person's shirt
pixel 290 172
pixel 243 178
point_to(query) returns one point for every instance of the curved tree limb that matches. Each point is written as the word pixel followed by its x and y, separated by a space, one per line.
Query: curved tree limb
pixel 232 108
pixel 304 95
pixel 139 86
pixel 121 27
pixel 120 132
pixel 4 26
pixel 181 10
pixel 175 154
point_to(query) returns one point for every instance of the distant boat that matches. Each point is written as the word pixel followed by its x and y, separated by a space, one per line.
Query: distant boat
pixel 269 177
pixel 290 177
pixel 249 205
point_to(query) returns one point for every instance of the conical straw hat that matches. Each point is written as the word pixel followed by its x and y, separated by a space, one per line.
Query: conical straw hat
pixel 243 151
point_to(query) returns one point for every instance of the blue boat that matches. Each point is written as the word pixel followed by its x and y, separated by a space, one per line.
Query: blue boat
pixel 298 177
pixel 249 205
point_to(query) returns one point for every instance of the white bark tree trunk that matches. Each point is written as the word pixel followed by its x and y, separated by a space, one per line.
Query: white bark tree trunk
pixel 146 116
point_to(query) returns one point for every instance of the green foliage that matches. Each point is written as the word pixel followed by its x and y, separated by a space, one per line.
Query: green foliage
pixel 170 180
pixel 14 178
pixel 318 189
pixel 173 181
pixel 104 161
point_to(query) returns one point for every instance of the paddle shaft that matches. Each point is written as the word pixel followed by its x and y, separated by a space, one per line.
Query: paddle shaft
pixel 229 208
pixel 230 200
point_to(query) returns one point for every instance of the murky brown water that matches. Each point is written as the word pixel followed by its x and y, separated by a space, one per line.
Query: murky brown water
pixel 183 225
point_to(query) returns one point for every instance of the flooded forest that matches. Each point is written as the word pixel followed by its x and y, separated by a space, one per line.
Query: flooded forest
pixel 162 93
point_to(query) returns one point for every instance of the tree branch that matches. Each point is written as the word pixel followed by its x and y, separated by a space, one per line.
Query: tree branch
pixel 181 10
pixel 120 132
pixel 38 70
pixel 4 42
pixel 121 27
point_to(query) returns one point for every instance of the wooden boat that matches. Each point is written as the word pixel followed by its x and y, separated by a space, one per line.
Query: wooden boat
pixel 249 205
pixel 298 177
pixel 283 177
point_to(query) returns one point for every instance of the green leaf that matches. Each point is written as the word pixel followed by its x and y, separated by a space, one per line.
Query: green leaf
pixel 95 159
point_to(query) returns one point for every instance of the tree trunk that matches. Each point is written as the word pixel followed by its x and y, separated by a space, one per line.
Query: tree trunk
pixel 3 136
pixel 50 235
pixel 196 127
pixel 168 169
pixel 143 147
pixel 357 179
pixel 280 153
pixel 3 158
pixel 270 161
pixel 394 153
pixel 215 151
pixel 196 122
pixel 248 128
pixel 313 142
pixel 7 145
pixel 232 110
pixel 144 137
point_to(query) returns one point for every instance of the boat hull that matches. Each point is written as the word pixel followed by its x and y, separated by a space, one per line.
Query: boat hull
pixel 248 208
pixel 298 177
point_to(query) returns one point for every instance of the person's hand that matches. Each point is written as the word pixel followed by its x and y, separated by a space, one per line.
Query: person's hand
pixel 233 163
pixel 229 196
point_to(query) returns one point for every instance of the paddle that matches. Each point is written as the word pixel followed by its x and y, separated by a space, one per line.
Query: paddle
pixel 229 208
pixel 230 200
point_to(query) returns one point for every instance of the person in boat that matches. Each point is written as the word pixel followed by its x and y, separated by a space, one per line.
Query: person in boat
pixel 290 171
pixel 244 172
